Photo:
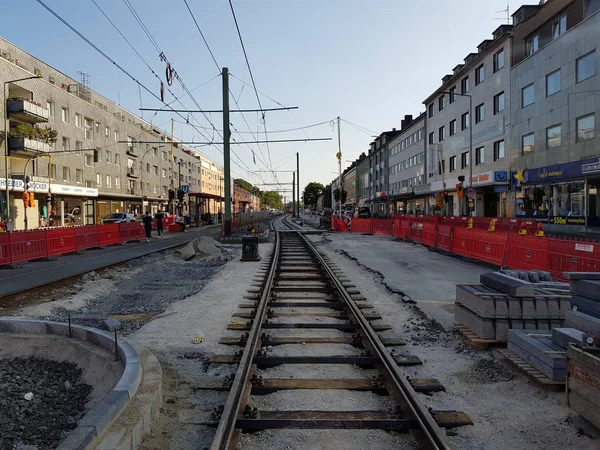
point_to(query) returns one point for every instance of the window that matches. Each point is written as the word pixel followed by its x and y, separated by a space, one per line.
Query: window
pixel 164 173
pixel 479 113
pixel 89 184
pixel 464 85
pixel 591 7
pixel 553 137
pixel 431 137
pixel 106 132
pixel 585 128
pixel 98 180
pixel 89 160
pixel 528 143
pixel 452 163
pixel 79 147
pixel 64 114
pixel 88 129
pixel 65 144
pixel 464 160
pixel 441 103
pixel 97 125
pixel 117 159
pixel 559 27
pixel 53 171
pixel 108 180
pixel 533 44
pixel 498 60
pixel 156 189
pixel 452 127
pixel 107 157
pixel 442 167
pixel 553 83
pixel 66 173
pixel 117 182
pixel 78 121
pixel 527 95
pixel 155 151
pixel 164 156
pixel 465 121
pixel 79 175
pixel 441 133
pixel 586 66
pixel 479 155
pixel 148 167
pixel 429 114
pixel 498 102
pixel 499 150
pixel 116 134
pixel 50 106
pixel 452 94
pixel 479 75
pixel 155 170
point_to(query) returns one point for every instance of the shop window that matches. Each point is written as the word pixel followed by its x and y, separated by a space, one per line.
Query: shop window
pixel 564 200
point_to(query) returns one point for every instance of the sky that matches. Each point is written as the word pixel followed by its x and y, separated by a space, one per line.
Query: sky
pixel 368 62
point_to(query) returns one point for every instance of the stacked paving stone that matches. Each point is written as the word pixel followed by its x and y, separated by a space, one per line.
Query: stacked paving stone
pixel 547 352
pixel 503 302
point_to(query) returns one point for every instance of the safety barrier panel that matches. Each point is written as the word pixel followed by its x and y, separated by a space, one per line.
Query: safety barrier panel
pixel 402 228
pixel 5 253
pixel 429 234
pixel 444 237
pixel 86 237
pixel 568 255
pixel 382 226
pixel 131 231
pixel 526 252
pixel 28 245
pixel 362 226
pixel 108 234
pixel 488 247
pixel 60 241
pixel 415 231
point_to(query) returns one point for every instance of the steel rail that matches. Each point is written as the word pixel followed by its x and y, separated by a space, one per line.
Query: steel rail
pixel 226 427
pixel 434 436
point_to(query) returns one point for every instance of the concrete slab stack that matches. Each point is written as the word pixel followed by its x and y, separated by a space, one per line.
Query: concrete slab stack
pixel 502 302
pixel 538 349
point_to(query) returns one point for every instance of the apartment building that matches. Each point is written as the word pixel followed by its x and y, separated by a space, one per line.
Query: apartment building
pixel 101 159
pixel 378 188
pixel 407 166
pixel 555 116
pixel 467 121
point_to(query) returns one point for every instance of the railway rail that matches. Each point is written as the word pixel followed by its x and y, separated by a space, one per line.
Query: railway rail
pixel 300 277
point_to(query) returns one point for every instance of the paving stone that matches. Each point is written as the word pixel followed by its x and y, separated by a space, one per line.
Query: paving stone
pixel 507 285
pixel 563 336
pixel 586 288
pixel 582 322
pixel 586 305
pixel 539 351
pixel 582 275
pixel 484 328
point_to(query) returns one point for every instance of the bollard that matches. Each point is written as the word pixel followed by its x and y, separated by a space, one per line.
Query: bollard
pixel 250 248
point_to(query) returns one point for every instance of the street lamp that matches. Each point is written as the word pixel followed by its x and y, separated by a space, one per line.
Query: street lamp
pixel 451 94
pixel 6 138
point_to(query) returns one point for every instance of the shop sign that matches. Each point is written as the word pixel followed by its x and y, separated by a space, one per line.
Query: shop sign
pixel 483 178
pixel 423 189
pixel 557 220
pixel 19 185
pixel 584 248
pixel 575 169
pixel 79 191
pixel 500 189
pixel 500 176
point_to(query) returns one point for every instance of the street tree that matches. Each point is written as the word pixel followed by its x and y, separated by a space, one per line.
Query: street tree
pixel 271 199
pixel 312 192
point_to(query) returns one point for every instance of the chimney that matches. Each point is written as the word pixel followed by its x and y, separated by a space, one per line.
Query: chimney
pixel 393 129
pixel 408 118
pixel 402 124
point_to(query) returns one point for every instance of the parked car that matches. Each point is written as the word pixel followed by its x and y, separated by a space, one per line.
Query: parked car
pixel 118 218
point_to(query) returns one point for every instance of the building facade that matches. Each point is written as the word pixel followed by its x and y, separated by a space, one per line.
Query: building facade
pixel 467 117
pixel 104 158
pixel 555 112
pixel 407 166
pixel 378 189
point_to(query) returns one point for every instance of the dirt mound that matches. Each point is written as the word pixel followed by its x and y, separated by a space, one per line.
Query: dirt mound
pixel 204 248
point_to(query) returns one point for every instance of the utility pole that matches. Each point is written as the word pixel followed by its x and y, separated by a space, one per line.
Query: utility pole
pixel 298 180
pixel 171 158
pixel 293 193
pixel 226 151
pixel 339 157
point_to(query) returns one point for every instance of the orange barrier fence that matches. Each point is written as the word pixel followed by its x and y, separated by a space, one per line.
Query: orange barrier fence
pixel 504 246
pixel 131 231
pixel 5 253
pixel 60 241
pixel 86 237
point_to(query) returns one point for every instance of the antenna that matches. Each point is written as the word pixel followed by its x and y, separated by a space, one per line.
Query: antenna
pixel 507 11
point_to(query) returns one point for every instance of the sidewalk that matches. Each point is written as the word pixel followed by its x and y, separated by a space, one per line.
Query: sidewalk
pixel 34 274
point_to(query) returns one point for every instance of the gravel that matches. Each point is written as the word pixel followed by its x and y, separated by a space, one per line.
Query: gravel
pixel 57 398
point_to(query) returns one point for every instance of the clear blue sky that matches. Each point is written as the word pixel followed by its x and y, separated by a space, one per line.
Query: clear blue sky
pixel 367 62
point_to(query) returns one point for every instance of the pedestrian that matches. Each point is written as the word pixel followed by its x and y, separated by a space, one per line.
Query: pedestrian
pixel 147 219
pixel 159 223
pixel 220 216
pixel 180 222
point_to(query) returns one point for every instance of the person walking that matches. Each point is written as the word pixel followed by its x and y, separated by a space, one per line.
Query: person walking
pixel 147 219
pixel 159 223
pixel 220 216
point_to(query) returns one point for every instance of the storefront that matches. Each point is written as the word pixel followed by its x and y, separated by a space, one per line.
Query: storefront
pixel 564 195
pixel 70 205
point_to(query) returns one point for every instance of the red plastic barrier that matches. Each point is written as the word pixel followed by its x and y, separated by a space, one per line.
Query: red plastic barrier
pixel 28 245
pixel 131 231
pixel 415 231
pixel 526 252
pixel 478 244
pixel 108 234
pixel 403 229
pixel 429 234
pixel 444 237
pixel 567 255
pixel 87 237
pixel 60 241
pixel 362 226
pixel 174 228
pixel 5 254
pixel 382 226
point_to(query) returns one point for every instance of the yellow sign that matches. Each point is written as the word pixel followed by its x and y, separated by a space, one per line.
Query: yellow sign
pixel 519 177
pixel 338 155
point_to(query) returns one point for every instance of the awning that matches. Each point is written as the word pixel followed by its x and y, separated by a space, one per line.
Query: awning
pixel 206 195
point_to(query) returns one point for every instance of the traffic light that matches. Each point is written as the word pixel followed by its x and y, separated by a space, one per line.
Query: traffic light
pixel 26 199
pixel 446 197
pixel 180 194
pixel 459 190
pixel 96 155
pixel 171 195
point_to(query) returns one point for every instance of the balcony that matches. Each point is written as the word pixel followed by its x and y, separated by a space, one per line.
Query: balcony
pixel 26 145
pixel 132 150
pixel 23 110
pixel 133 172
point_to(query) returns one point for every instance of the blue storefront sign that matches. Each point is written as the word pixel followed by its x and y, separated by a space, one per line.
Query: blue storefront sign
pixel 576 169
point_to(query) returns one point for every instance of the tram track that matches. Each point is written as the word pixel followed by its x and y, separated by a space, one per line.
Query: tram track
pixel 298 276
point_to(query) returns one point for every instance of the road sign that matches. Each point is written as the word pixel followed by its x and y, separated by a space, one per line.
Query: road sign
pixel 185 188
pixel 471 206
pixel 471 194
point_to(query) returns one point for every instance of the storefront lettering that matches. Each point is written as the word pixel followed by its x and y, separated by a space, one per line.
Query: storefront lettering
pixel 557 220
pixel 556 173
pixel 590 168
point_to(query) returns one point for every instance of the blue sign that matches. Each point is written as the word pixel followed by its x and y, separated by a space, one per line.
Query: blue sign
pixel 576 169
pixel 500 189
pixel 500 176
pixel 185 188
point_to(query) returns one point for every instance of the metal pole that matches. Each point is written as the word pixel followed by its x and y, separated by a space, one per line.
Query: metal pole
pixel 339 155
pixel 171 158
pixel 293 193
pixel 298 180
pixel 226 151
pixel 6 157
pixel 471 146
